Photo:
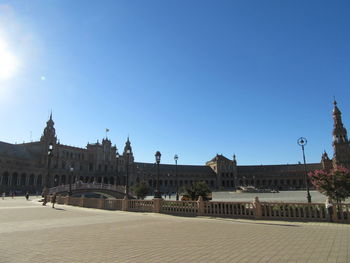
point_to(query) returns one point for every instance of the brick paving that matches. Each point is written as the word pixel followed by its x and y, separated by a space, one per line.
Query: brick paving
pixel 32 233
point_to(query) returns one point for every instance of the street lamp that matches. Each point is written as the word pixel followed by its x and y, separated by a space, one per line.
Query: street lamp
pixel 116 179
pixel 176 157
pixel 71 169
pixel 47 178
pixel 127 174
pixel 302 142
pixel 157 192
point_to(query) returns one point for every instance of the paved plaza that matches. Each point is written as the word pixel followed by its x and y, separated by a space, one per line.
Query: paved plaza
pixel 33 233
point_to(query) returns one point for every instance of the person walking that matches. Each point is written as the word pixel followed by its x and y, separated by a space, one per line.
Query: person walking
pixel 3 195
pixel 53 200
pixel 27 196
pixel 44 195
pixel 329 207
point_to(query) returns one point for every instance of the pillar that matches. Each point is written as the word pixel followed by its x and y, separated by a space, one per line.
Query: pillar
pixel 257 208
pixel 200 204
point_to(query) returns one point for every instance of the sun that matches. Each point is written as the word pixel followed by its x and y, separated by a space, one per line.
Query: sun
pixel 8 61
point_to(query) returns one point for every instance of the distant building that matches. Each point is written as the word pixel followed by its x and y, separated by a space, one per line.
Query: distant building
pixel 24 167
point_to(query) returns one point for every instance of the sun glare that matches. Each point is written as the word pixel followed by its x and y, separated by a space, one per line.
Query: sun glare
pixel 8 62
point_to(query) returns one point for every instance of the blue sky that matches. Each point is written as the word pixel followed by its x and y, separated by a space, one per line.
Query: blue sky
pixel 192 78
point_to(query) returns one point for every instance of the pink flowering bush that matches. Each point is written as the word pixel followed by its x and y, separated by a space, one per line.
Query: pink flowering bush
pixel 334 183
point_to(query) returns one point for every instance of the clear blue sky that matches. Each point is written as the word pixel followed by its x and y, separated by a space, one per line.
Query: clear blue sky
pixel 193 78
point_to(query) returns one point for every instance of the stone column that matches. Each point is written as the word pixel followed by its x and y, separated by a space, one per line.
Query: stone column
pixel 157 205
pixel 100 203
pixel 200 204
pixel 67 200
pixel 81 203
pixel 257 208
pixel 125 203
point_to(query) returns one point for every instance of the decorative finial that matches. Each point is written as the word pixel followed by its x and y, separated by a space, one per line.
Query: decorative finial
pixel 334 101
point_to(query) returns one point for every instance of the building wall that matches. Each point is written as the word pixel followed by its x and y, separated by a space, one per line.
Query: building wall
pixel 23 167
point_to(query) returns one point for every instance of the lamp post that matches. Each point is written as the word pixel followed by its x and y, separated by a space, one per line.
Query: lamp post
pixel 47 178
pixel 127 174
pixel 176 157
pixel 157 192
pixel 49 157
pixel 302 142
pixel 116 174
pixel 71 169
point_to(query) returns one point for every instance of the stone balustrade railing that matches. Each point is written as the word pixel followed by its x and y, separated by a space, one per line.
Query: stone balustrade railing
pixel 253 210
pixel 79 186
pixel 187 208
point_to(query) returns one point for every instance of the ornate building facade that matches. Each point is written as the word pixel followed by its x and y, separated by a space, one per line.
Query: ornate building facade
pixel 24 167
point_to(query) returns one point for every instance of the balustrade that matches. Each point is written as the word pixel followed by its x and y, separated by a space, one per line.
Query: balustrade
pixel 343 213
pixel 229 209
pixel 140 205
pixel 256 209
pixel 179 207
pixel 313 211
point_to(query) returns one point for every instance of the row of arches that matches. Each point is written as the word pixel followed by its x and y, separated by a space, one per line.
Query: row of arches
pixel 173 183
pixel 65 179
pixel 20 179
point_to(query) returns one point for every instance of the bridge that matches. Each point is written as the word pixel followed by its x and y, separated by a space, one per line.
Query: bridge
pixel 108 190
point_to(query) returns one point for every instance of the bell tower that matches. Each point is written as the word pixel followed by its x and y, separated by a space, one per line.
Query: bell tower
pixel 128 151
pixel 49 134
pixel 340 143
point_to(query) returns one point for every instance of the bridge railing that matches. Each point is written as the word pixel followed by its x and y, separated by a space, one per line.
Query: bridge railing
pixel 80 186
pixel 254 210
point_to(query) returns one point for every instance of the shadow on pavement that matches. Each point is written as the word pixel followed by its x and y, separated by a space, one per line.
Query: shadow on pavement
pixel 262 223
pixel 59 209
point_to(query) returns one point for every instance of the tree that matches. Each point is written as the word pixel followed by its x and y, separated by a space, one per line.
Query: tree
pixel 141 190
pixel 198 189
pixel 334 183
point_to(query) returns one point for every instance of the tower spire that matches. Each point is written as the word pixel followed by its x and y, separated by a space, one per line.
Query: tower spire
pixel 340 143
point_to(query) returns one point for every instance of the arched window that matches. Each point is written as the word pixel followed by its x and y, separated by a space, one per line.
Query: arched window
pixel 23 179
pixel 31 179
pixel 63 179
pixel 14 179
pixel 56 180
pixel 5 178
pixel 39 180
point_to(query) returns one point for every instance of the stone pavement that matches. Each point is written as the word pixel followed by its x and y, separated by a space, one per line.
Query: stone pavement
pixel 32 233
